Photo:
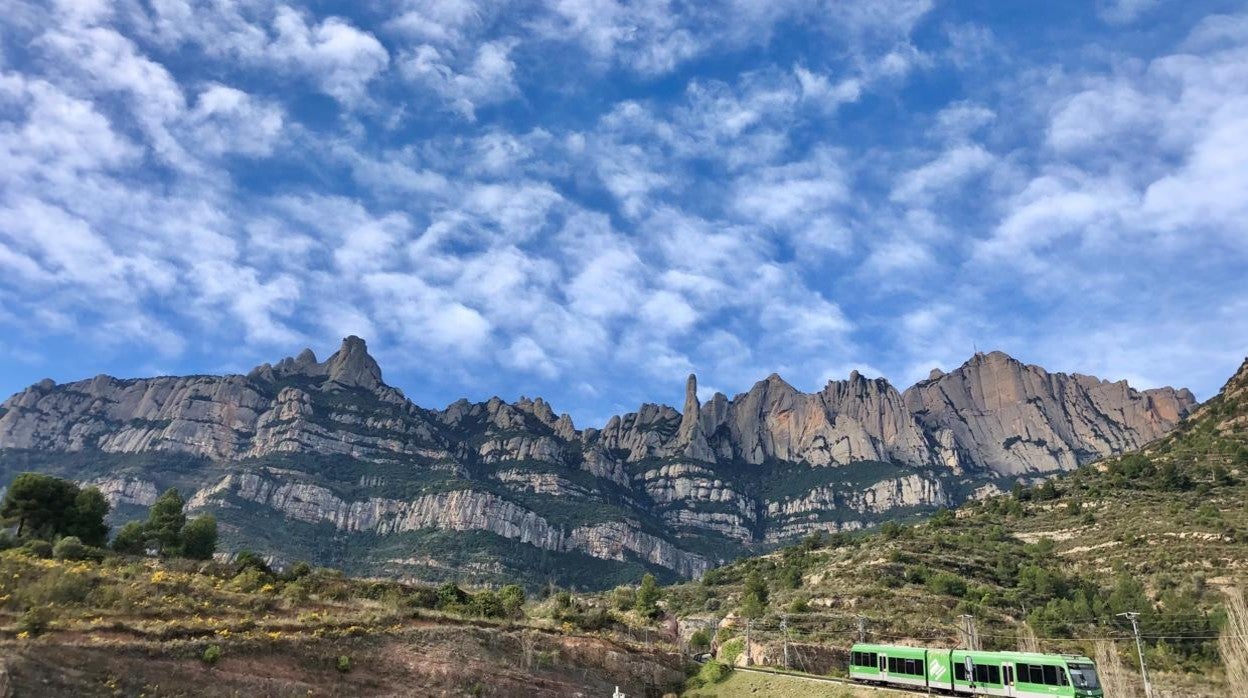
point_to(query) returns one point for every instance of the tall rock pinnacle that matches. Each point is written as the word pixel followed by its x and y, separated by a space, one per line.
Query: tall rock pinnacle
pixel 690 434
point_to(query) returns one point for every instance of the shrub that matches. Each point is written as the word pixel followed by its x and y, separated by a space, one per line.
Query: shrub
pixel 947 583
pixel 70 548
pixel 700 639
pixel 487 604
pixel 246 559
pixel 35 621
pixel 299 570
pixel 211 655
pixel 344 663
pixel 731 650
pixel 38 548
pixel 711 673
pixel 624 598
pixel 512 597
pixel 451 597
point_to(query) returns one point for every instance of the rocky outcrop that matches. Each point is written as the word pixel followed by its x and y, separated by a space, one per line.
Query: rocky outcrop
pixel 832 508
pixel 999 415
pixel 358 455
pixel 459 510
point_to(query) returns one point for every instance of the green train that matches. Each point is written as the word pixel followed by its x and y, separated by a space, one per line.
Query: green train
pixel 963 672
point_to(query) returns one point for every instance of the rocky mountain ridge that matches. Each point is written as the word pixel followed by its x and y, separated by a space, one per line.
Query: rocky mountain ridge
pixel 329 447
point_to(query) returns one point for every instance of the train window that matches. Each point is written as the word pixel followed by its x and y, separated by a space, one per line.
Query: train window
pixel 875 659
pixel 959 671
pixel 892 664
pixel 987 673
pixel 1037 674
pixel 1084 675
pixel 855 658
pixel 1050 676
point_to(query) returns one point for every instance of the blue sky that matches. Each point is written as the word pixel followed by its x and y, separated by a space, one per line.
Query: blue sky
pixel 587 199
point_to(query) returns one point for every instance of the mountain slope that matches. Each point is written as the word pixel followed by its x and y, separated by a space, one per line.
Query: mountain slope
pixel 1162 531
pixel 323 460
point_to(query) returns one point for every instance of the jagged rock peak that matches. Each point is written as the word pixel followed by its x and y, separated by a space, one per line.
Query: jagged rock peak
pixel 306 358
pixel 351 366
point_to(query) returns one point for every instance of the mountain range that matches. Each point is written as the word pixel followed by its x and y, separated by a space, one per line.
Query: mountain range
pixel 324 461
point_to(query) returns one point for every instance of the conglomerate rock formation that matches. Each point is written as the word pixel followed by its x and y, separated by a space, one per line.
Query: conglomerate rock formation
pixel 323 460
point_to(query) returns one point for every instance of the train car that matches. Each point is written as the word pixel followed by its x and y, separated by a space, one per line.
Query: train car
pixel 965 672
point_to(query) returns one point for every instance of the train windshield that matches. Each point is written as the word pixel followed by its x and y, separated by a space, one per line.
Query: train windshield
pixel 1083 675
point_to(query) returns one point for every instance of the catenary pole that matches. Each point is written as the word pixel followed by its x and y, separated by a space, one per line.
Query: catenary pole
pixel 1139 647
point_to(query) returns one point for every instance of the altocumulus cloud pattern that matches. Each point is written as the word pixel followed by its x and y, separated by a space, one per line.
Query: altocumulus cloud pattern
pixel 586 199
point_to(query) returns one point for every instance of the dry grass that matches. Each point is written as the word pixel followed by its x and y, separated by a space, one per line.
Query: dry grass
pixel 1027 640
pixel 1115 679
pixel 1233 644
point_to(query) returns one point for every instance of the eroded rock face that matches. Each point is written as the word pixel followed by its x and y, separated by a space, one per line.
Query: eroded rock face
pixel 1000 415
pixel 362 457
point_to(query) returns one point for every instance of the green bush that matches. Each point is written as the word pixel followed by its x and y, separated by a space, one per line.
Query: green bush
pixel 700 639
pixel 70 548
pixel 710 674
pixel 344 663
pixel 947 583
pixel 246 559
pixel 211 655
pixel 624 598
pixel 37 547
pixel 731 650
pixel 488 605
pixel 35 621
pixel 512 597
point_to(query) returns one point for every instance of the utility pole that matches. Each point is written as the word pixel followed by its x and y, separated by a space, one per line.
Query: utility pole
pixel 862 629
pixel 968 629
pixel 784 628
pixel 1139 647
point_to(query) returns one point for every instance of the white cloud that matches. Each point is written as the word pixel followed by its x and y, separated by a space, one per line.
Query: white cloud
pixel 228 120
pixel 339 56
pixel 489 78
pixel 1125 11
pixel 960 120
pixel 947 172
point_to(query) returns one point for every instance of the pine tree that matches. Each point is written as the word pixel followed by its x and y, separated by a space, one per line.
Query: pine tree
pixel 38 504
pixel 165 521
pixel 755 596
pixel 131 539
pixel 648 597
pixel 199 537
pixel 86 519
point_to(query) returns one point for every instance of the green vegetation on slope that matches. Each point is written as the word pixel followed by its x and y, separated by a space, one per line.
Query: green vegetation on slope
pixel 1161 532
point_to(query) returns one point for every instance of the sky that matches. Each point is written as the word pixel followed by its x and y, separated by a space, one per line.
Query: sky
pixel 586 200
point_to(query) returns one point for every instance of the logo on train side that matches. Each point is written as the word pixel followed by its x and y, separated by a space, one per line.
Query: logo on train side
pixel 938 669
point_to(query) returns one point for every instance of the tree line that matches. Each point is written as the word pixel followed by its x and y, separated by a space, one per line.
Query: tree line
pixel 53 510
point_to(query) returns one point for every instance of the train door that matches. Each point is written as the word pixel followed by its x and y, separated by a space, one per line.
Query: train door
pixel 883 667
pixel 1007 678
